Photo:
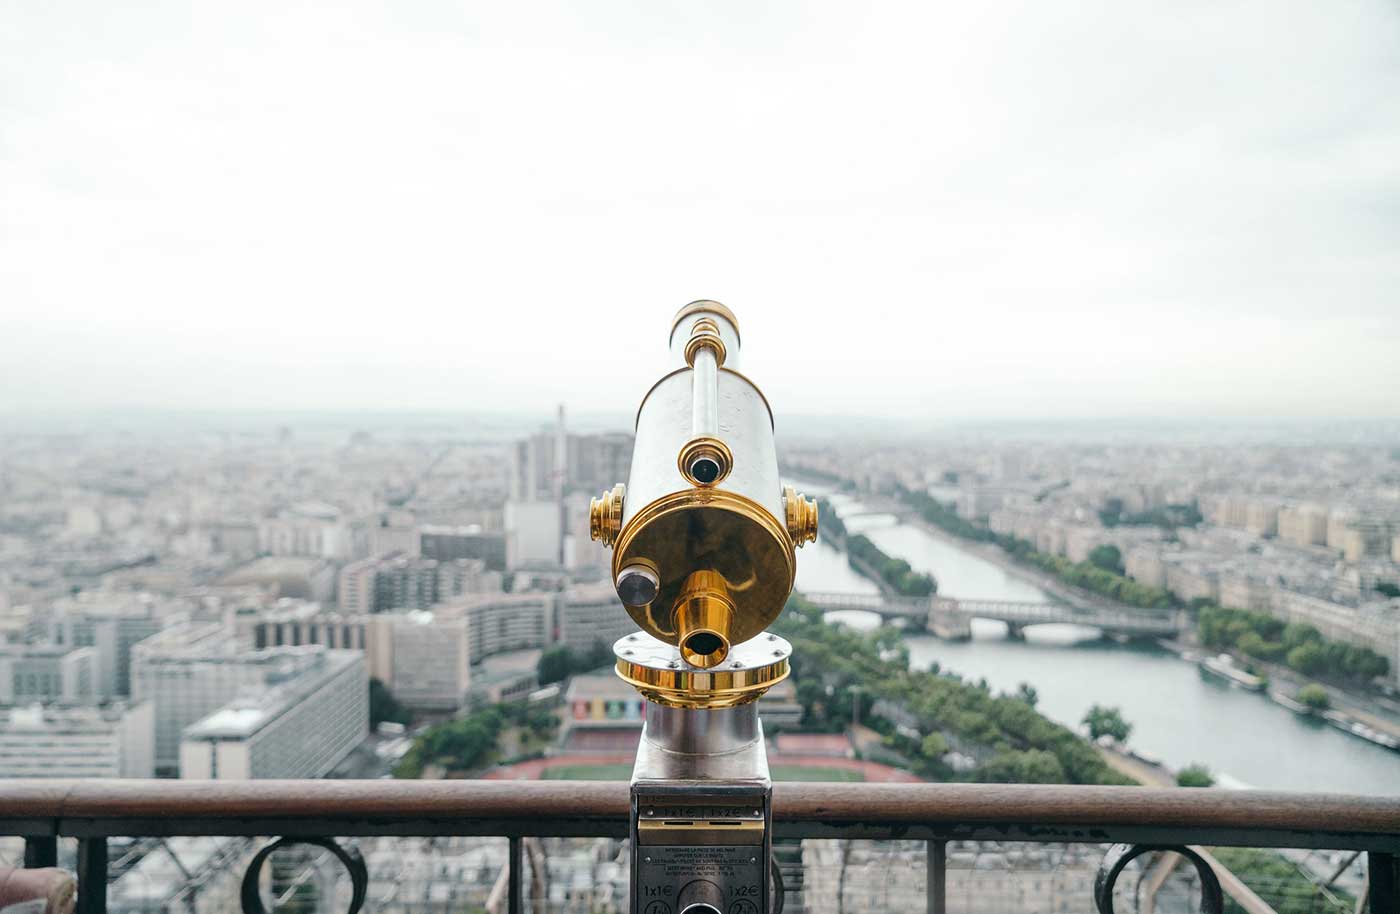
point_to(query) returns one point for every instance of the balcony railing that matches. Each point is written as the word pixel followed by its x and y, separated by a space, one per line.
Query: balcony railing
pixel 1133 817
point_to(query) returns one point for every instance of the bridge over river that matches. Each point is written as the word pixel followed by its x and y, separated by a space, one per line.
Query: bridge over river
pixel 949 617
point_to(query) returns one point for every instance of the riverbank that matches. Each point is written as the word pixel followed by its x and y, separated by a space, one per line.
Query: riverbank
pixel 1369 711
pixel 1178 712
pixel 839 539
pixel 991 552
pixel 1346 709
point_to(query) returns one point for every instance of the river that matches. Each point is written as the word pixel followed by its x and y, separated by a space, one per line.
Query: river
pixel 1178 715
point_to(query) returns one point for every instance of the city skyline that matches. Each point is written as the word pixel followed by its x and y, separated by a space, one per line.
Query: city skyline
pixel 952 212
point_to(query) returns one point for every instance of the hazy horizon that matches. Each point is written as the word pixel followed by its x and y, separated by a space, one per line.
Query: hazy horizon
pixel 485 426
pixel 1005 211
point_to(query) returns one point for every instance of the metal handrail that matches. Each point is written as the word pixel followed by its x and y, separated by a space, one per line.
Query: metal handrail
pixel 1048 813
pixel 1132 818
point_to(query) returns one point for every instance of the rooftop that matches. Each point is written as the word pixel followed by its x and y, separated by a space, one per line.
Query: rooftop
pixel 61 719
pixel 284 689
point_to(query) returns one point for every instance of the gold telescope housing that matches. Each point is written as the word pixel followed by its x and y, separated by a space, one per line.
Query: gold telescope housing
pixel 704 533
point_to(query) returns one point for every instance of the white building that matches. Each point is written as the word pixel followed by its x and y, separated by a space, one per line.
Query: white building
pixel 313 713
pixel 397 532
pixel 534 533
pixel 1303 524
pixel 354 590
pixel 1144 565
pixel 1375 626
pixel 292 623
pixel 591 613
pixel 191 670
pixel 501 622
pixel 311 529
pixel 395 580
pixel 431 660
pixel 423 656
pixel 114 741
pixel 47 673
pixel 111 624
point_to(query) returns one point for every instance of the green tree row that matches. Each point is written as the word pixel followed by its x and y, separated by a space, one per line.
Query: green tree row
pixel 897 573
pixel 1089 575
pixel 468 743
pixel 1301 647
pixel 560 662
pixel 1107 581
pixel 1167 516
pixel 944 517
pixel 830 521
pixel 834 668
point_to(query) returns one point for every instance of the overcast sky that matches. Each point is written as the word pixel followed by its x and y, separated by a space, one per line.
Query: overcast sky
pixel 991 209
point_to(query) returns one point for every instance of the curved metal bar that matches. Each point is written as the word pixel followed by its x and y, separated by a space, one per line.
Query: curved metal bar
pixel 779 898
pixel 1120 855
pixel 350 858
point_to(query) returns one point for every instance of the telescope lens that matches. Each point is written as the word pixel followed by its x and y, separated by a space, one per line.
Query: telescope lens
pixel 703 643
pixel 705 470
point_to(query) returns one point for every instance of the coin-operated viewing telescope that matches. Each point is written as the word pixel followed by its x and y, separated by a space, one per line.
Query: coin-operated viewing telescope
pixel 704 539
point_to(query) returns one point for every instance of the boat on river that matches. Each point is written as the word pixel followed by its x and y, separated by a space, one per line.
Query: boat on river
pixel 1223 667
pixel 1348 724
pixel 1297 707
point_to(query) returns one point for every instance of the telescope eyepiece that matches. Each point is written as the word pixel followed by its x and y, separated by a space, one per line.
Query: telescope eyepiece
pixel 704 469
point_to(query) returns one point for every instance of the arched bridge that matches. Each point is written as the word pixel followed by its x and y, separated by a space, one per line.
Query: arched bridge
pixel 951 618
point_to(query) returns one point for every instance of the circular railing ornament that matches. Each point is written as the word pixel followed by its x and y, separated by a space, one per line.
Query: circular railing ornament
pixel 1120 855
pixel 251 899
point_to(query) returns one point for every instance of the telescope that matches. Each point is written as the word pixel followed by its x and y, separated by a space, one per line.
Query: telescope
pixel 704 538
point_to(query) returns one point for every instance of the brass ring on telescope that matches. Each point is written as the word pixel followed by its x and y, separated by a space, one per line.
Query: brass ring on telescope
pixel 704 306
pixel 704 334
pixel 705 446
pixel 605 515
pixel 660 673
pixel 702 689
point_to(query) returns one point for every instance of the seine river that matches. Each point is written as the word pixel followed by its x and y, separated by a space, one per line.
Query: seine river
pixel 1178 715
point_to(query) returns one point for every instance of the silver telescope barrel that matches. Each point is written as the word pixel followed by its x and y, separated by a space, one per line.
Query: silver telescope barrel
pixel 704 539
pixel 704 534
pixel 704 409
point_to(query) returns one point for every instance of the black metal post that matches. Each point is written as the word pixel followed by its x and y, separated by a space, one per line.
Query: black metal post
pixel 40 851
pixel 515 872
pixel 1384 873
pixel 937 877
pixel 92 876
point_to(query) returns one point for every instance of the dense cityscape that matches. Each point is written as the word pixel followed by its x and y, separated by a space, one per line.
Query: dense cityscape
pixel 330 599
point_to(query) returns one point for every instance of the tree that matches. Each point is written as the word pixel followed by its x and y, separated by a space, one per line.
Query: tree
pixel 599 656
pixel 1032 766
pixel 934 746
pixel 383 706
pixel 1388 589
pixel 1195 775
pixel 1315 697
pixel 1296 634
pixel 1103 721
pixel 1108 558
pixel 556 663
pixel 1027 693
pixel 1307 658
